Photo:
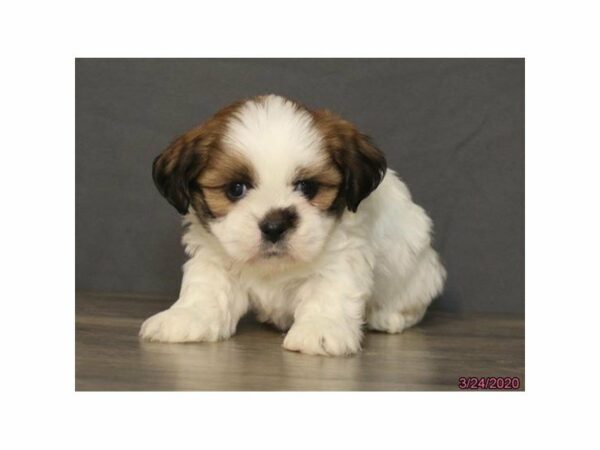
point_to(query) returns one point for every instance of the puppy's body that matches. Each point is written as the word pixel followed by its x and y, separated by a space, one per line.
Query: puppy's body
pixel 295 247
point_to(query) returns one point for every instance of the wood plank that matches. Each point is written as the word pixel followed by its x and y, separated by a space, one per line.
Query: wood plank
pixel 431 356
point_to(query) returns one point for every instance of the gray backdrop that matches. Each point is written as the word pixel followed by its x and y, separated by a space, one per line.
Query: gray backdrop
pixel 452 128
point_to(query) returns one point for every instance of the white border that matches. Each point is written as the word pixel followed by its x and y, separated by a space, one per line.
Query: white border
pixel 42 38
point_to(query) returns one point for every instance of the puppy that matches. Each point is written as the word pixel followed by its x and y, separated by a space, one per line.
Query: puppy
pixel 289 212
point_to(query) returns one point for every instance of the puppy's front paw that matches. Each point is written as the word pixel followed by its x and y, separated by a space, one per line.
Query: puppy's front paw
pixel 323 337
pixel 180 325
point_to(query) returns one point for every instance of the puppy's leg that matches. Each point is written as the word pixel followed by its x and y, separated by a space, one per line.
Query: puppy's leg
pixel 400 303
pixel 330 314
pixel 326 325
pixel 394 320
pixel 208 309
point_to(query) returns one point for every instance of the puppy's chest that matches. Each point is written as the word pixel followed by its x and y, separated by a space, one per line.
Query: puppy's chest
pixel 273 302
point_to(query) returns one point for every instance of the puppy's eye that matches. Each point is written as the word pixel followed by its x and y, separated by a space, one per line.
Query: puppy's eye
pixel 308 188
pixel 236 191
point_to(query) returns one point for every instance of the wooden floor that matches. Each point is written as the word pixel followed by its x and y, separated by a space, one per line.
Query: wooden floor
pixel 431 356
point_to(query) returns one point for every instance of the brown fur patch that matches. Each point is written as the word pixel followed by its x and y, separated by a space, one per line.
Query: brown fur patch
pixel 360 161
pixel 222 169
pixel 325 197
pixel 328 178
pixel 226 167
pixel 177 169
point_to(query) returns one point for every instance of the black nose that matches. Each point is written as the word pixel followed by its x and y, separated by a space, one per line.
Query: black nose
pixel 272 231
pixel 276 222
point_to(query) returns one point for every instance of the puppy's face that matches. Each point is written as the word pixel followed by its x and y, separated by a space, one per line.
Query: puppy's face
pixel 269 178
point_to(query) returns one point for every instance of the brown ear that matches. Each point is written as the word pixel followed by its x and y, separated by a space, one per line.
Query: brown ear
pixel 176 169
pixel 362 164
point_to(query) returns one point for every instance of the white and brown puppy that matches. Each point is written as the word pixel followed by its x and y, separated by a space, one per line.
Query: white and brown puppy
pixel 290 213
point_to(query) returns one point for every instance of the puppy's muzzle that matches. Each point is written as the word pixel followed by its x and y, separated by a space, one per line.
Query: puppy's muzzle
pixel 277 223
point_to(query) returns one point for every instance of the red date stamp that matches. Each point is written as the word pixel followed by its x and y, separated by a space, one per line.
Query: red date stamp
pixel 489 383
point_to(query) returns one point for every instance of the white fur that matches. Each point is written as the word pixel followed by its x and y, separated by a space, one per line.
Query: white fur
pixel 375 266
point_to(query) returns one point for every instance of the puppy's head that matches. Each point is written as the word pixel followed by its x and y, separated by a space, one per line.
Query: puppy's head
pixel 269 178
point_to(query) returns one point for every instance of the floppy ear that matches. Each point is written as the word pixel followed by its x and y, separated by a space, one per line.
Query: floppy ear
pixel 362 164
pixel 175 170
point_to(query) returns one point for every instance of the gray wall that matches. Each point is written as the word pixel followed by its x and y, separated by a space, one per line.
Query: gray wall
pixel 452 128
